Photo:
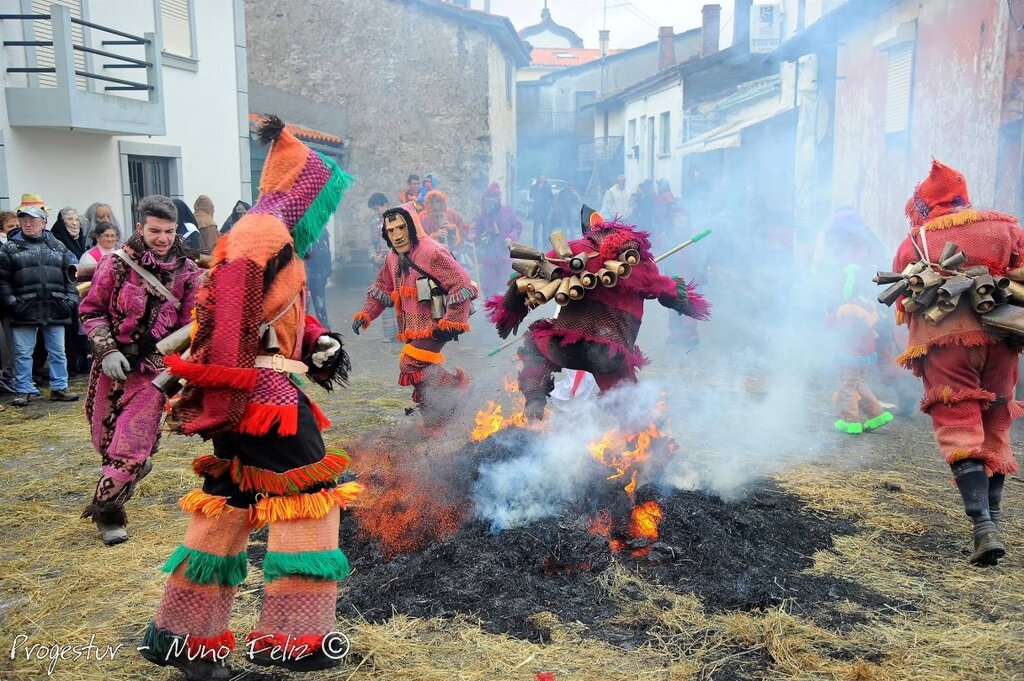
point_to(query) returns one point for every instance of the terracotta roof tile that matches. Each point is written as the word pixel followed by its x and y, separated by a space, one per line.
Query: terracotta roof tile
pixel 299 131
pixel 564 56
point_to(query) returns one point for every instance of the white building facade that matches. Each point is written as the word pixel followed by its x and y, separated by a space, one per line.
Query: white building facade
pixel 111 100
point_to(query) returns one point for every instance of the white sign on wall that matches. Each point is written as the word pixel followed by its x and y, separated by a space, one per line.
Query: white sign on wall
pixel 765 28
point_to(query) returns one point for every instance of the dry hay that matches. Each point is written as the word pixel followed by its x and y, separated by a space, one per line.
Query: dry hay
pixel 945 620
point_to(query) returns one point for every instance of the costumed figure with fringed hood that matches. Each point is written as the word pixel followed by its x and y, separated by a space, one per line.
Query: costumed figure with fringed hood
pixel 269 465
pixel 493 230
pixel 432 296
pixel 140 294
pixel 442 222
pixel 969 371
pixel 852 324
pixel 596 333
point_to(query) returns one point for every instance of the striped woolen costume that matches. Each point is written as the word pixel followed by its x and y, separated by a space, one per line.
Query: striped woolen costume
pixel 269 463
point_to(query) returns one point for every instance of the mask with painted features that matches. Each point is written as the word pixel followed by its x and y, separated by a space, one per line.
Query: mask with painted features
pixel 396 231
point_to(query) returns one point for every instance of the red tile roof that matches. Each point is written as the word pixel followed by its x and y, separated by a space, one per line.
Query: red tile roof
pixel 564 56
pixel 299 131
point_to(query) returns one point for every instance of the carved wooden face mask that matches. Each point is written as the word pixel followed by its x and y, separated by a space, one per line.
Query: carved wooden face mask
pixel 398 233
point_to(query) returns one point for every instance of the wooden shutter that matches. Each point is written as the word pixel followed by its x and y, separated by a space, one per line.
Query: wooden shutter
pixel 176 19
pixel 43 30
pixel 898 80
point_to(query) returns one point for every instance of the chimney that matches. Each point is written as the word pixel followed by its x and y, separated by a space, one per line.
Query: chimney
pixel 602 41
pixel 666 47
pixel 709 28
pixel 741 24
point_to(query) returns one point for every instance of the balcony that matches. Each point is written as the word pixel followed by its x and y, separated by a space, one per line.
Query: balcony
pixel 76 91
pixel 600 151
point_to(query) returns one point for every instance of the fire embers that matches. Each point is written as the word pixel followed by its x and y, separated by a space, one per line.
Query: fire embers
pixel 631 525
pixel 408 501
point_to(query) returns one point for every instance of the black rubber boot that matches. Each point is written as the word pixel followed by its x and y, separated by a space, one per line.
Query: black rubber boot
pixel 995 497
pixel 194 670
pixel 973 483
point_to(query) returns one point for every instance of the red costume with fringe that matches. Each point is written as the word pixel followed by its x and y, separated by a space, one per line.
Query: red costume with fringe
pixel 458 229
pixel 419 365
pixel 269 462
pixel 596 333
pixel 969 373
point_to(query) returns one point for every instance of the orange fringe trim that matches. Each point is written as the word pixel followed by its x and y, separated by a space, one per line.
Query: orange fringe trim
pixel 966 217
pixel 911 353
pixel 208 464
pixel 295 480
pixel 423 355
pixel 901 317
pixel 947 394
pixel 303 506
pixel 258 419
pixel 363 317
pixel 199 501
pixel 322 422
pixel 406 336
pixel 1016 408
pixel 447 325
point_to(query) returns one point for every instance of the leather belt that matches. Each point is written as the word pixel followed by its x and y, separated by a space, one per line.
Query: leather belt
pixel 280 364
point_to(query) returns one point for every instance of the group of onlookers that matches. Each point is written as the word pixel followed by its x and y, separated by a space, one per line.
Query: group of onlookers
pixel 41 254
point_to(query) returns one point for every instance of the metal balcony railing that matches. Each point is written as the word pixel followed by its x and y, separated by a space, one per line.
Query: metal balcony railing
pixel 77 90
pixel 598 151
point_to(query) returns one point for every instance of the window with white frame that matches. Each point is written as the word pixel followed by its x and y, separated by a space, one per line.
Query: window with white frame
pixel 666 133
pixel 177 18
pixel 899 79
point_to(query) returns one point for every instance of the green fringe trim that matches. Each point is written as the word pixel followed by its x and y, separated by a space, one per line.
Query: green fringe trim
pixel 331 565
pixel 206 568
pixel 879 421
pixel 309 227
pixel 849 428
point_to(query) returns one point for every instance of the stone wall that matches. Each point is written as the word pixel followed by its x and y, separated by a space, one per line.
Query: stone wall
pixel 413 84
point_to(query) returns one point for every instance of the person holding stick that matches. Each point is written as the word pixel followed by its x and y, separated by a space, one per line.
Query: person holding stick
pixel 138 295
pixel 969 372
pixel 597 330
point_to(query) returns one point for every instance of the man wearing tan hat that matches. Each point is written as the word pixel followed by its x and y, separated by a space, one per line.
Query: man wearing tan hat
pixel 36 294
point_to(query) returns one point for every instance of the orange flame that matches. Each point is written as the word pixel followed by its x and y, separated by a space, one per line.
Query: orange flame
pixel 490 420
pixel 613 451
pixel 644 520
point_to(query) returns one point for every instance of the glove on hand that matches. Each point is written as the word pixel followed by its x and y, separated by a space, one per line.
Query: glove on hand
pixel 357 324
pixel 326 348
pixel 115 366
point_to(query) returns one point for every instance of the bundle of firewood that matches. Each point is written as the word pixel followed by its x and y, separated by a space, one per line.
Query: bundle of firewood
pixel 935 289
pixel 565 278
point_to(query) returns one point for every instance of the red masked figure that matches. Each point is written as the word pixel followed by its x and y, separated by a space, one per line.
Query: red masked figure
pixel 969 373
pixel 596 333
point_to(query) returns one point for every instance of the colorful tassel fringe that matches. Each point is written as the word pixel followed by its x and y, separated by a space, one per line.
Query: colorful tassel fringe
pixel 332 565
pixel 199 501
pixel 206 568
pixel 294 507
pixel 307 230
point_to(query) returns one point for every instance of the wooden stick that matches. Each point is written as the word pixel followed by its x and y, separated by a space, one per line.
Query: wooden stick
pixel 175 341
pixel 692 240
